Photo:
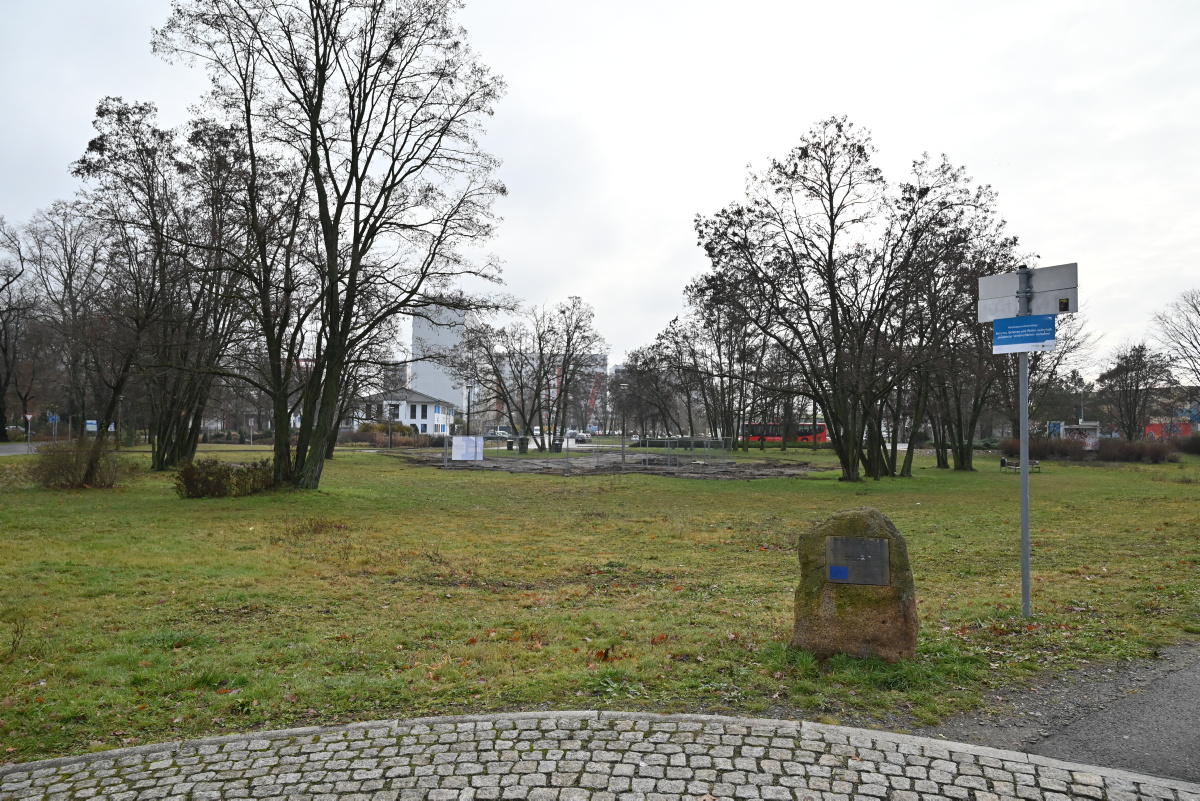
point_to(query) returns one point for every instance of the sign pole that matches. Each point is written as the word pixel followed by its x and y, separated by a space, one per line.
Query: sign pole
pixel 1023 380
pixel 1024 296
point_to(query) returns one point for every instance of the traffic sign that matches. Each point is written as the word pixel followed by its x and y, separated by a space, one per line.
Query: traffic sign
pixel 92 426
pixel 1055 290
pixel 28 417
pixel 1023 334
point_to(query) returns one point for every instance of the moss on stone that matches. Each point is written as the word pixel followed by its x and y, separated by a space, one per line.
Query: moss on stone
pixel 861 620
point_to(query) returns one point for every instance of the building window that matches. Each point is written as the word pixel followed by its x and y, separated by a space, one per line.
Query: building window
pixel 437 409
pixel 412 412
pixel 424 411
pixel 422 428
pixel 395 410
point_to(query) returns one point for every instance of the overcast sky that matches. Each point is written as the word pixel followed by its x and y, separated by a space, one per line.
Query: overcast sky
pixel 625 119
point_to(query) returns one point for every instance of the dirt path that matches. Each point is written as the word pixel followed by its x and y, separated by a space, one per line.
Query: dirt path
pixel 605 462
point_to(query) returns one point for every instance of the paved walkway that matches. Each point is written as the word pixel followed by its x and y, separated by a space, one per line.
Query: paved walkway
pixel 573 756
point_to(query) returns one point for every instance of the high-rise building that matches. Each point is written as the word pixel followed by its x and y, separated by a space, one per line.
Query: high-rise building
pixel 435 340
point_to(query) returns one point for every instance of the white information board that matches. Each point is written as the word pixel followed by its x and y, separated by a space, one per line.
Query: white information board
pixel 467 449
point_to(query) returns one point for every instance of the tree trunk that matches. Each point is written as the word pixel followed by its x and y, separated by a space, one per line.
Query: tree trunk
pixel 918 418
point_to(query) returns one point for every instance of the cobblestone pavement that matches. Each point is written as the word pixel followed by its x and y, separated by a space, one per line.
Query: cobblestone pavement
pixel 574 756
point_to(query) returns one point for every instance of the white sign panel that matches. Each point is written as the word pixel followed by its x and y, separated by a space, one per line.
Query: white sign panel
pixel 467 449
pixel 1055 291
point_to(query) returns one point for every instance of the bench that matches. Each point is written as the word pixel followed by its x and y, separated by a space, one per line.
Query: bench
pixel 1014 465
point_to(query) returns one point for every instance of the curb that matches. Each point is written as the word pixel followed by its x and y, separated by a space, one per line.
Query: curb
pixel 802 727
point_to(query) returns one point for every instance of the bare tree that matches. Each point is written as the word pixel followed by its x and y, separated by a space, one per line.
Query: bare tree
pixel 16 315
pixel 532 367
pixel 381 102
pixel 1177 329
pixel 1130 386
pixel 828 265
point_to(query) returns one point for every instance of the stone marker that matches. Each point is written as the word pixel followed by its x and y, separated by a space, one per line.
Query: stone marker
pixel 856 593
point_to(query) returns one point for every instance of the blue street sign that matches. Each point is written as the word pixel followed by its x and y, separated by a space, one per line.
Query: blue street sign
pixel 52 418
pixel 91 425
pixel 1033 332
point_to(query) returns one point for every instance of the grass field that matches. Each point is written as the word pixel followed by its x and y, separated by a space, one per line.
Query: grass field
pixel 134 616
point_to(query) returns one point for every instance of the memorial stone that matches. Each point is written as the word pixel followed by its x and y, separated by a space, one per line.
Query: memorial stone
pixel 856 594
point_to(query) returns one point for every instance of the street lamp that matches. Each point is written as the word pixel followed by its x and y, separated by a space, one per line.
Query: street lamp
pixel 470 389
pixel 624 390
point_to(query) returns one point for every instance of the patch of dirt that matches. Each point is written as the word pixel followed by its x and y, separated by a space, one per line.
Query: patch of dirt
pixel 587 463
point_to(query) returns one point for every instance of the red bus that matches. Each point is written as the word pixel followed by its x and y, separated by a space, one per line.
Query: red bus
pixel 773 432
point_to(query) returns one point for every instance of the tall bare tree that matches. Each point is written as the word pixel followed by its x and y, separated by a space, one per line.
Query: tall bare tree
pixel 381 102
pixel 1177 329
pixel 535 365
pixel 827 262
pixel 1131 385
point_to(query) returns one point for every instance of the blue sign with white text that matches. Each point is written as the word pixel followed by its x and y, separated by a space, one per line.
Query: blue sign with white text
pixel 1033 332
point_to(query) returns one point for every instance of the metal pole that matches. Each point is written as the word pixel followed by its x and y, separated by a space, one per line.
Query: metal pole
pixel 1024 295
pixel 624 403
pixel 1023 369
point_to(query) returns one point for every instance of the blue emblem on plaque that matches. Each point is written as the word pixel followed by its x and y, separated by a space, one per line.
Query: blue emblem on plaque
pixel 839 572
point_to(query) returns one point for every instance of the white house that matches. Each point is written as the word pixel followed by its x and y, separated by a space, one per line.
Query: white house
pixel 425 413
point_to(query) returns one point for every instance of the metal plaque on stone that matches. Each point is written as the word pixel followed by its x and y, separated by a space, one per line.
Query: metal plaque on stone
pixel 857 560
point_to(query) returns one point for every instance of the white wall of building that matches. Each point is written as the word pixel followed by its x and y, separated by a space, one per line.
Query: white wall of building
pixel 430 339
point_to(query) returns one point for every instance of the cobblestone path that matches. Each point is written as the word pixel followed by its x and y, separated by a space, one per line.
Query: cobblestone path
pixel 575 756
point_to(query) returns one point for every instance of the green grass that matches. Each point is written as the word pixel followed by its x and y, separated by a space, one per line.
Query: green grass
pixel 133 615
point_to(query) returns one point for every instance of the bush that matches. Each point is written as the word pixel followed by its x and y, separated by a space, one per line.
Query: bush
pixel 1153 451
pixel 212 478
pixel 62 466
pixel 1045 448
pixel 1187 444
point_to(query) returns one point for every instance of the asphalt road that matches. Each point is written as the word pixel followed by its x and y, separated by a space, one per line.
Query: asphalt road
pixel 11 448
pixel 1153 729
pixel 1142 716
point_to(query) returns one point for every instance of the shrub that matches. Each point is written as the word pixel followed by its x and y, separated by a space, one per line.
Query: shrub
pixel 62 466
pixel 1153 451
pixel 212 478
pixel 1187 444
pixel 1045 448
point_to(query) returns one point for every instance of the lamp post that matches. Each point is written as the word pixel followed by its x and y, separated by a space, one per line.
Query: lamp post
pixel 470 389
pixel 624 391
